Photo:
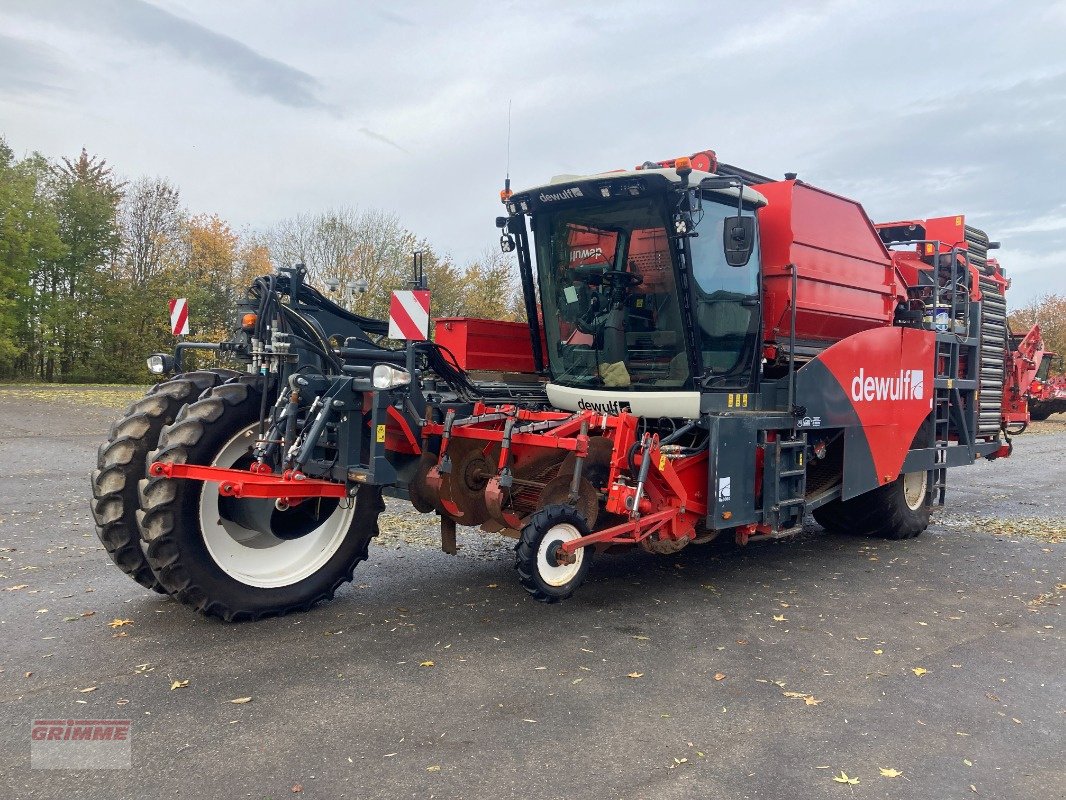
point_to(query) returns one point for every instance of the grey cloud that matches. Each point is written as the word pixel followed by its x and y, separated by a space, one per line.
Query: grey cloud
pixel 378 137
pixel 147 25
pixel 29 67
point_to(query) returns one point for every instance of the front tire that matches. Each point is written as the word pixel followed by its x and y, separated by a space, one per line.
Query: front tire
pixel 121 464
pixel 244 559
pixel 539 571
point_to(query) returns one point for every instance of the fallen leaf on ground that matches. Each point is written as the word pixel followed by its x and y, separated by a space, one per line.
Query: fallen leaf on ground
pixel 87 689
pixel 794 694
pixel 919 671
pixel 878 652
pixel 635 675
pixel 240 700
pixel 843 778
pixel 118 623
pixel 297 788
pixel 810 700
pixel 576 681
pixel 719 676
pixel 889 772
pixel 434 768
pixel 780 618
pixel 16 587
pixel 642 638
pixel 178 685
pixel 426 664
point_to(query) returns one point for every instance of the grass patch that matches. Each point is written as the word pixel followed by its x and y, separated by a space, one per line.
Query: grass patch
pixel 97 395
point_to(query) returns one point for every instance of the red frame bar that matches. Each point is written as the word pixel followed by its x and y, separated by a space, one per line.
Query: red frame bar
pixel 242 483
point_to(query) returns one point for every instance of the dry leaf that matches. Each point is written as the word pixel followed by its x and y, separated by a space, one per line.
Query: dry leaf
pixel 794 694
pixel 878 652
pixel 719 676
pixel 87 689
pixel 635 675
pixel 780 618
pixel 27 674
pixel 16 587
pixel 576 681
pixel 118 623
pixel 809 700
pixel 642 638
pixel 426 664
pixel 240 700
pixel 490 586
pixel 434 768
pixel 297 788
pixel 919 671
pixel 178 685
pixel 889 772
pixel 843 778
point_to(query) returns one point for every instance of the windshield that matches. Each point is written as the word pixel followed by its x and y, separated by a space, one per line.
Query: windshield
pixel 611 311
pixel 1044 368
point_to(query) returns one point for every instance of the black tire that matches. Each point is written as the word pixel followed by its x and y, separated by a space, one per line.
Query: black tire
pixel 549 526
pixel 882 512
pixel 1038 414
pixel 170 520
pixel 121 463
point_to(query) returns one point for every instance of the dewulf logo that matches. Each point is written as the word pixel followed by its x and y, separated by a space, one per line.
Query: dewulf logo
pixel 608 407
pixel 908 385
pixel 566 194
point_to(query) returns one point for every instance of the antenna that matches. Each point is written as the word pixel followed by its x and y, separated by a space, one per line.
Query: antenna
pixel 507 178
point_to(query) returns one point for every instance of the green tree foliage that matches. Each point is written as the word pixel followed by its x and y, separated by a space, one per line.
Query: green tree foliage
pixel 88 262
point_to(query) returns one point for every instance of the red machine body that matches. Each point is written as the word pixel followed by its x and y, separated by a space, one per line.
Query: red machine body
pixel 846 280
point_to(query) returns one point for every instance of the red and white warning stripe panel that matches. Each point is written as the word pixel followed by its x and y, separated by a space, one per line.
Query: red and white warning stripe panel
pixel 409 315
pixel 179 316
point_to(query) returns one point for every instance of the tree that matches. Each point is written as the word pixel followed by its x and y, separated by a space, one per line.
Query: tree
pixel 150 221
pixel 29 236
pixel 86 202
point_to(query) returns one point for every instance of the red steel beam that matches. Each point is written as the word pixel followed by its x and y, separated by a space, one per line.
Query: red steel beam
pixel 242 483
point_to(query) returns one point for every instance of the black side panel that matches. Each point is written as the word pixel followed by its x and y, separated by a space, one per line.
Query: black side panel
pixel 825 405
pixel 731 471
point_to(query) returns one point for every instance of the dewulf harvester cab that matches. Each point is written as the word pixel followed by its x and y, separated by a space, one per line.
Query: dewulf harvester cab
pixel 816 356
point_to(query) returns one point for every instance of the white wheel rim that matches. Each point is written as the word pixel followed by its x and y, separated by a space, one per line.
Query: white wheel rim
pixel 914 489
pixel 558 574
pixel 258 558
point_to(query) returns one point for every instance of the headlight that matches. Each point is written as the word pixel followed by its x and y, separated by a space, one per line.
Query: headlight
pixel 386 376
pixel 159 363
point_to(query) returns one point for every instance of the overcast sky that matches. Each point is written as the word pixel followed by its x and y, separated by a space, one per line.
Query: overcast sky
pixel 261 110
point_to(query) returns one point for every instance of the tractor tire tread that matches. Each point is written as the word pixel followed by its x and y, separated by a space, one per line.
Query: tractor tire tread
pixel 121 462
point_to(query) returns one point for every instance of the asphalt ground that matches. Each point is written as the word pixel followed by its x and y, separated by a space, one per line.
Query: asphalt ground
pixel 434 676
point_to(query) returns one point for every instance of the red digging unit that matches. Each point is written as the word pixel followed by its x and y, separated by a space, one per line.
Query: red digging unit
pixel 486 344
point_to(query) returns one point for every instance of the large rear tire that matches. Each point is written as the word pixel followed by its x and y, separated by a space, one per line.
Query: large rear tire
pixel 244 559
pixel 897 510
pixel 121 463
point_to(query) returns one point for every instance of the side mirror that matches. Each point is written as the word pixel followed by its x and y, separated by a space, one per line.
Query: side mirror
pixel 738 237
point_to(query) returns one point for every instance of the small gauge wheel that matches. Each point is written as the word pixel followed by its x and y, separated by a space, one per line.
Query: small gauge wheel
pixel 544 569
